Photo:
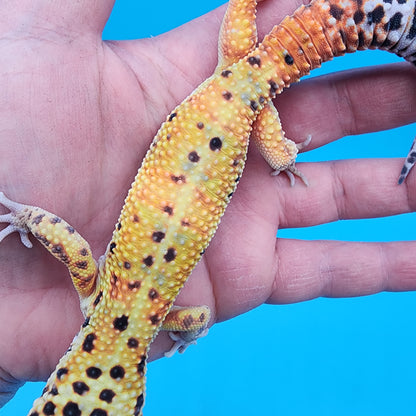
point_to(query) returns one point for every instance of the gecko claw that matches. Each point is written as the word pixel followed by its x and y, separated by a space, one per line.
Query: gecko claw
pixel 183 340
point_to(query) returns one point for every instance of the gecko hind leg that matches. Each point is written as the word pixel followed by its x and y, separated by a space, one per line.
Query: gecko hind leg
pixel 185 325
pixel 57 236
pixel 238 37
pixel 278 151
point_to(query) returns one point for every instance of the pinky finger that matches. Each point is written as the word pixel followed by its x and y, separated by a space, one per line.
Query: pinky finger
pixel 311 269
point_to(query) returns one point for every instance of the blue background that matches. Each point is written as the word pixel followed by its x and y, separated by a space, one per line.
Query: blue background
pixel 322 357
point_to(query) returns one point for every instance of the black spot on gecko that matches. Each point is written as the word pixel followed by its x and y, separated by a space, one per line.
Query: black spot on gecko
pixel 411 158
pixel 237 179
pixel 107 395
pixel 117 372
pixel 200 125
pixel 88 344
pixel 60 253
pixel 112 247
pixel 401 1
pixel 82 264
pixel 55 220
pixel 148 261
pixel 202 317
pixel 114 278
pixel 54 391
pixel 135 284
pixel 358 17
pixel 187 321
pixel 273 88
pixel 261 99
pixel 185 223
pixel 61 372
pixel 34 414
pixel 170 255
pixel 158 236
pixel 94 372
pixel 154 319
pixel 132 342
pixel 153 294
pixel 121 323
pixel 168 210
pixel 253 105
pixel 136 218
pixel 412 31
pixel 71 409
pixel 388 1
pixel 227 95
pixel 394 23
pixel 98 298
pixel 361 39
pixel 118 226
pixel 193 157
pixel 336 11
pixel 254 60
pixel 99 412
pixel 289 59
pixel 172 116
pixel 80 387
pixel 70 229
pixel 86 322
pixel 141 366
pixel 42 239
pixel 49 409
pixel 127 265
pixel 139 405
pixel 376 15
pixel 226 73
pixel 230 195
pixel 168 136
pixel 178 179
pixel 83 252
pixel 215 144
pixel 38 219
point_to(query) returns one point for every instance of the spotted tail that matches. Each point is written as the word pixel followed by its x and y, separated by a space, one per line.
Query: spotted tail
pixel 317 32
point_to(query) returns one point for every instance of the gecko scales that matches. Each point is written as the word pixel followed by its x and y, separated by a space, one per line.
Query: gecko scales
pixel 181 191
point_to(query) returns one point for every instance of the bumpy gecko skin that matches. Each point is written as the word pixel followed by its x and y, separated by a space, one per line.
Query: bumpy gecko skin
pixel 181 191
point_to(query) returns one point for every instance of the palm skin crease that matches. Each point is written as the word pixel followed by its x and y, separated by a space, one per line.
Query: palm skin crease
pixel 77 116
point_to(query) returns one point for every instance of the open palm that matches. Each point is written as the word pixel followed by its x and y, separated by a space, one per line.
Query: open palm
pixel 76 118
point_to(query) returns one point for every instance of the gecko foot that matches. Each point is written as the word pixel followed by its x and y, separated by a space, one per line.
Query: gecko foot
pixel 183 340
pixel 15 220
pixel 291 170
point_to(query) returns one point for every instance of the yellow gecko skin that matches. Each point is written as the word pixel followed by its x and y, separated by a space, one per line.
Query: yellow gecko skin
pixel 181 191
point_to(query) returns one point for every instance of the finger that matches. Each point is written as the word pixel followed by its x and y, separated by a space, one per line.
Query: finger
pixel 349 102
pixel 49 18
pixel 311 269
pixel 346 189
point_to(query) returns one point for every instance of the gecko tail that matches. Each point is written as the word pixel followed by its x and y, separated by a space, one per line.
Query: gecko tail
pixel 408 163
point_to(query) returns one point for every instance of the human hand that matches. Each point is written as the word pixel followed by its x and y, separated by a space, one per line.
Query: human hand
pixel 77 116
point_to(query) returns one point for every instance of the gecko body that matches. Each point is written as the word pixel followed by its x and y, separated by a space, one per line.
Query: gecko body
pixel 181 191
